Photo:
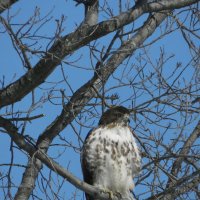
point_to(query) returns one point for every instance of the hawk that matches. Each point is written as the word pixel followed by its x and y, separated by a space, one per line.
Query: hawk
pixel 110 157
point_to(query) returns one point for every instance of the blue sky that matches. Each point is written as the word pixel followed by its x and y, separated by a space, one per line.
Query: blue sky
pixel 11 68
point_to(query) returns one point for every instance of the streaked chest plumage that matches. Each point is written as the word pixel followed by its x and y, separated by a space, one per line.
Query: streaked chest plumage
pixel 110 158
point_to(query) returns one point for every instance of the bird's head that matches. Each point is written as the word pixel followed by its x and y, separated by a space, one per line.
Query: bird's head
pixel 115 115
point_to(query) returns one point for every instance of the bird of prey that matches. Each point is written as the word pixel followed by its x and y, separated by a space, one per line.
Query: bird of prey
pixel 110 157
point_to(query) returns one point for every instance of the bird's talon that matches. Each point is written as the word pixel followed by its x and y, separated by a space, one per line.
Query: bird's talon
pixel 111 196
pixel 110 193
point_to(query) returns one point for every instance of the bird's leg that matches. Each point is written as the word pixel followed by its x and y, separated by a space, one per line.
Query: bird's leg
pixel 110 193
pixel 111 196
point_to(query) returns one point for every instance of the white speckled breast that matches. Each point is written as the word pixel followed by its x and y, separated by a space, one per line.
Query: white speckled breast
pixel 111 154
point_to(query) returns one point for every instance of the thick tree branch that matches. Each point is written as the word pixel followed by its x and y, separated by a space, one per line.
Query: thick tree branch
pixel 34 153
pixel 67 44
pixel 51 164
pixel 83 95
pixel 167 5
pixel 145 78
pixel 17 138
pixel 5 4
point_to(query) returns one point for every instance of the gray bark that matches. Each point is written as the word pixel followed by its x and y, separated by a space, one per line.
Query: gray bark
pixel 5 4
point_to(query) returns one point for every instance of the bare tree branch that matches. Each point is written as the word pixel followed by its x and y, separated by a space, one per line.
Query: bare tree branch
pixel 5 4
pixel 84 94
pixel 36 153
pixel 67 44
pixel 185 149
pixel 160 87
pixel 179 182
pixel 178 162
pixel 167 5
